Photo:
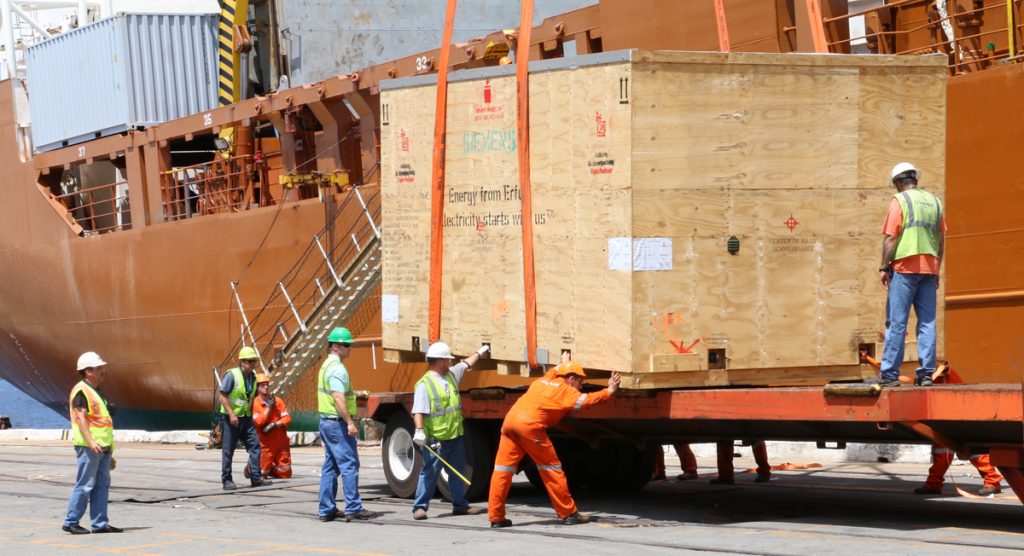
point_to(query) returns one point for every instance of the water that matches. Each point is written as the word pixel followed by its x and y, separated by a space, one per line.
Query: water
pixel 26 413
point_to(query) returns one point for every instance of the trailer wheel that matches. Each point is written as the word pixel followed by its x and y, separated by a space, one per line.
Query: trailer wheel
pixel 402 461
pixel 622 468
pixel 478 441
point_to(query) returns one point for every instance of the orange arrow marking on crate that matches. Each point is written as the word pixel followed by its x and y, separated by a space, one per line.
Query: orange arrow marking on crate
pixel 680 349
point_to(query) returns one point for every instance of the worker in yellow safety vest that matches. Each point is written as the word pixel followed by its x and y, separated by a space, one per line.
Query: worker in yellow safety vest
pixel 92 433
pixel 237 390
pixel 336 402
pixel 437 414
pixel 912 248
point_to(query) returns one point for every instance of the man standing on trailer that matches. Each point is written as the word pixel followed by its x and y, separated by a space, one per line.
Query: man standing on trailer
pixel 336 402
pixel 525 432
pixel 237 390
pixel 912 252
pixel 437 414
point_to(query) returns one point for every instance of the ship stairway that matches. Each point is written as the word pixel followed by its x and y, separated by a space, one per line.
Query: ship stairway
pixel 337 272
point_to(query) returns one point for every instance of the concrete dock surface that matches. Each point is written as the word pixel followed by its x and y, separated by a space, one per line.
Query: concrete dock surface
pixel 168 498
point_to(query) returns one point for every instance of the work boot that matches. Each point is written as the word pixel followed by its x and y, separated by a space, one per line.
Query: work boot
pixel 262 483
pixel 686 476
pixel 330 517
pixel 75 529
pixel 923 381
pixel 575 519
pixel 470 510
pixel 926 490
pixel 362 515
pixel 889 382
pixel 229 485
pixel 419 514
pixel 989 491
pixel 721 481
pixel 108 528
pixel 501 524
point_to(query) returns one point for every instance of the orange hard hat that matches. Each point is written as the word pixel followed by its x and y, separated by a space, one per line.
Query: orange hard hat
pixel 570 368
pixel 261 378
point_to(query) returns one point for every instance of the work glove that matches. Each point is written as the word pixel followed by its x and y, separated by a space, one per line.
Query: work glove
pixel 613 382
pixel 113 464
pixel 483 350
pixel 269 428
pixel 420 438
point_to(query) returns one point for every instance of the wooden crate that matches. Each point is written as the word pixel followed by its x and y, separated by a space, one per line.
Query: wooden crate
pixel 644 166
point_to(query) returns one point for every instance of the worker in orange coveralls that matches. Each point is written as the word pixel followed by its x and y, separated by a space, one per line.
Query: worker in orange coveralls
pixel 525 432
pixel 271 419
pixel 942 457
pixel 726 475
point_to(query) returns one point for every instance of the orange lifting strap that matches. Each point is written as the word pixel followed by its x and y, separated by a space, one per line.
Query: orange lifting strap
pixel 437 180
pixel 817 26
pixel 723 27
pixel 523 146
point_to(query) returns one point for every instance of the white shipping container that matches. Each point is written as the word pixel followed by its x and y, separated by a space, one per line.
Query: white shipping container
pixel 121 73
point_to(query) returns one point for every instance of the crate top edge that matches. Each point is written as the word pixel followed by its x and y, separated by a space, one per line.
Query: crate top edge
pixel 638 56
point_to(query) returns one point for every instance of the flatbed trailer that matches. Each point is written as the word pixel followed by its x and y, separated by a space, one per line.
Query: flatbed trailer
pixel 613 446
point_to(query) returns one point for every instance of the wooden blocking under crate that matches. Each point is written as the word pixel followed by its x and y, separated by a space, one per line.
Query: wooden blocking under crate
pixel 694 213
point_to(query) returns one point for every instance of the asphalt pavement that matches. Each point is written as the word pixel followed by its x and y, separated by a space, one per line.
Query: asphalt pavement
pixel 168 500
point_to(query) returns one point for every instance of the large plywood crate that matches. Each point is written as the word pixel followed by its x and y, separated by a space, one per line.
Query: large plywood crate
pixel 699 218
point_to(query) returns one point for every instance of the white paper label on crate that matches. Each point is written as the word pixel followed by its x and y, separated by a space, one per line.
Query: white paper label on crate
pixel 652 253
pixel 620 253
pixel 389 308
pixel 649 253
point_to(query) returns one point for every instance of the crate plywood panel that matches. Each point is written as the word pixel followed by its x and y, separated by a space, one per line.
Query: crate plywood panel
pixel 406 153
pixel 744 126
pixel 790 154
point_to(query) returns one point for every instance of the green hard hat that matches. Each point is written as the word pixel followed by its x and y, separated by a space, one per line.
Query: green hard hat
pixel 247 353
pixel 341 336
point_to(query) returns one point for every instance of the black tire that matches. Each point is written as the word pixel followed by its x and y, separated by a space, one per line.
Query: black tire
pixel 480 446
pixel 573 454
pixel 532 474
pixel 402 461
pixel 621 467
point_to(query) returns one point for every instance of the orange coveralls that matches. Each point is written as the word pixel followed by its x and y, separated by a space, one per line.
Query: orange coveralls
pixel 942 458
pixel 275 454
pixel 525 432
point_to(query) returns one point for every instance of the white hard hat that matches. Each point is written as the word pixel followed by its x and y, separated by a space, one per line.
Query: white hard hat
pixel 439 350
pixel 90 359
pixel 904 167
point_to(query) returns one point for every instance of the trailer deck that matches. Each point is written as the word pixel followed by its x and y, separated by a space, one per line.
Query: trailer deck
pixel 968 419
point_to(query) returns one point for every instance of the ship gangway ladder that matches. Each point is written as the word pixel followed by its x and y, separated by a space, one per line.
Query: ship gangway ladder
pixel 316 301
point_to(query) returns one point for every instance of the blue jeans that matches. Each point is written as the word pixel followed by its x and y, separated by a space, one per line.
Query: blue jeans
pixel 92 487
pixel 340 458
pixel 454 453
pixel 245 431
pixel 906 290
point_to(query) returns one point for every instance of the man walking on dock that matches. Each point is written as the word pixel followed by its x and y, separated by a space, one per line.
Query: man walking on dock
pixel 525 432
pixel 912 251
pixel 336 402
pixel 237 390
pixel 92 433
pixel 437 414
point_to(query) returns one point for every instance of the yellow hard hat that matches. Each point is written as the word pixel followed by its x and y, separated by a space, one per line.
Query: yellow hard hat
pixel 570 368
pixel 247 353
pixel 261 378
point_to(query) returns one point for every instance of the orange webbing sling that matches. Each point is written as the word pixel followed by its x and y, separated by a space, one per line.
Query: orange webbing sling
pixel 523 147
pixel 437 180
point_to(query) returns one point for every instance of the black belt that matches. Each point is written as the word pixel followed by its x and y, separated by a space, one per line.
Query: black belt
pixel 330 418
